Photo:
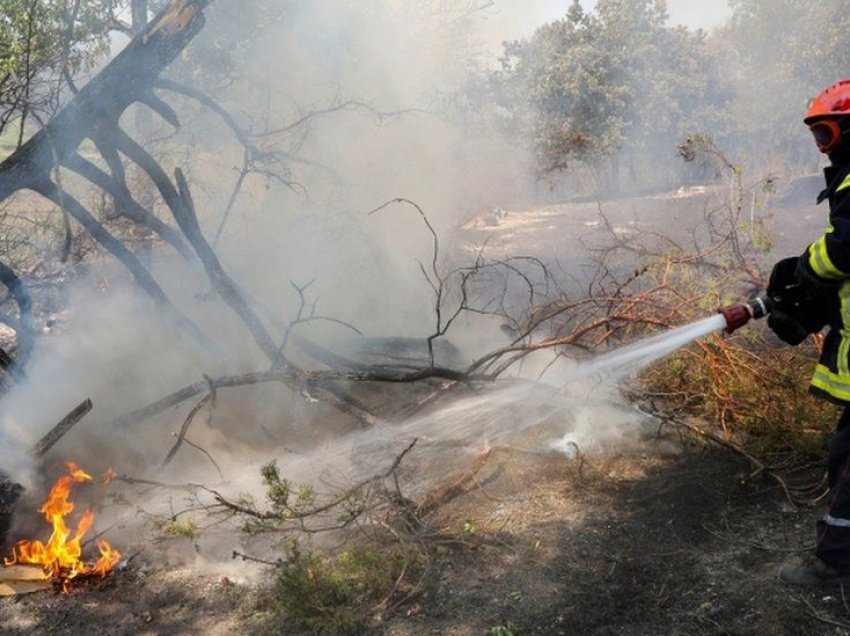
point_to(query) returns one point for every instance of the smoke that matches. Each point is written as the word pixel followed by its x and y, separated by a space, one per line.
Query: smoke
pixel 703 15
pixel 375 89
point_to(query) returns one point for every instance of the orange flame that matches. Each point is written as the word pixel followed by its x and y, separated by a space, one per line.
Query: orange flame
pixel 61 556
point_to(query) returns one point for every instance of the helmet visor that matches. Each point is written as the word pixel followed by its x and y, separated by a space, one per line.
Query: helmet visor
pixel 827 134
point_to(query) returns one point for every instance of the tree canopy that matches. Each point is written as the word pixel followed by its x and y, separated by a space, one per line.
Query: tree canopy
pixel 43 43
pixel 619 83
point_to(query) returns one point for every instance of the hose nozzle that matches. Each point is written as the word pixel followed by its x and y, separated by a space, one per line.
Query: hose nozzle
pixel 739 315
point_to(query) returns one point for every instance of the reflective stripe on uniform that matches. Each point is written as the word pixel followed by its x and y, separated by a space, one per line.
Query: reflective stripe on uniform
pixel 833 383
pixel 844 184
pixel 843 361
pixel 836 521
pixel 820 262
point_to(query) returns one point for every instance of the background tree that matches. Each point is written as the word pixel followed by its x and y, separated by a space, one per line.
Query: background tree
pixel 618 87
pixel 43 44
pixel 776 69
pixel 613 85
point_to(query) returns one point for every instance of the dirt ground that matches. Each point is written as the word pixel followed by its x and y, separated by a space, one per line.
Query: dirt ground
pixel 671 536
pixel 662 541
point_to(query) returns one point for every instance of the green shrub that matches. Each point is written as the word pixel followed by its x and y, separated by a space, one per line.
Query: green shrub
pixel 340 592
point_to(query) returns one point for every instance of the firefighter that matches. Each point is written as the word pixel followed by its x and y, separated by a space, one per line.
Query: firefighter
pixel 813 291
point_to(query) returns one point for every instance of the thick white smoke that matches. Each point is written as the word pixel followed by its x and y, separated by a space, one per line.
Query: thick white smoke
pixel 386 78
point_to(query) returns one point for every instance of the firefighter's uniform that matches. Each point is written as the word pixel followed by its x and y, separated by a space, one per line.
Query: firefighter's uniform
pixel 825 269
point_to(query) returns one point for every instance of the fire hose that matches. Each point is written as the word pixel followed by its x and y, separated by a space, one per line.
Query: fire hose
pixel 739 315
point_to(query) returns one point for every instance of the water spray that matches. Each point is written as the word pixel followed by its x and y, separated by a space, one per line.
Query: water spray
pixel 624 361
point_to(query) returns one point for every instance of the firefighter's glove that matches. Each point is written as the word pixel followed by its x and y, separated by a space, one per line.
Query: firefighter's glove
pixel 783 286
pixel 797 307
pixel 787 327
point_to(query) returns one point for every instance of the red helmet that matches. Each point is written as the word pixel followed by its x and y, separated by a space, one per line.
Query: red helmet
pixel 822 113
pixel 832 102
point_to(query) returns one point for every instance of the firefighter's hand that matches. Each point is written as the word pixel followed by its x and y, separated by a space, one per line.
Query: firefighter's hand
pixel 787 327
pixel 783 281
pixel 798 308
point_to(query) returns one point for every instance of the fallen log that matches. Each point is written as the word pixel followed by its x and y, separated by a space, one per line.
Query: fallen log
pixel 55 434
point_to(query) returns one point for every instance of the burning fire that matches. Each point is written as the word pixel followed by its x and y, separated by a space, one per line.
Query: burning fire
pixel 61 555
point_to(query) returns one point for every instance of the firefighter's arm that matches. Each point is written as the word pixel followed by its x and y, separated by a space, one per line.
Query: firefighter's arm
pixel 826 262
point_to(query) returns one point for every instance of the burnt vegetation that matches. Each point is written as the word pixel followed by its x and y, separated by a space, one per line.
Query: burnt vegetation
pixel 87 184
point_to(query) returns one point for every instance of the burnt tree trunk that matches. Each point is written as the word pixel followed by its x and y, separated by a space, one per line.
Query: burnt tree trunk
pixel 98 106
pixel 94 113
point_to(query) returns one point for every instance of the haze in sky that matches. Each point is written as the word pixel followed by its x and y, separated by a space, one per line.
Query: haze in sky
pixel 512 19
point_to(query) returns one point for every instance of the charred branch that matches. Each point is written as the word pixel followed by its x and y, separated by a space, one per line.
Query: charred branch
pixel 436 280
pixel 181 436
pixel 311 380
pixel 127 205
pixel 52 192
pixel 208 102
pixel 183 211
pixel 161 108
pixel 179 200
pixel 66 424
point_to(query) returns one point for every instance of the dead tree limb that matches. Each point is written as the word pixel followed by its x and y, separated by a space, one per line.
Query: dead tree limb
pixel 52 192
pixel 188 392
pixel 435 278
pixel 181 436
pixel 126 205
pixel 325 356
pixel 244 171
pixel 183 212
pixel 446 493
pixel 55 434
pixel 205 100
pixel 308 379
pixel 128 78
pixel 179 200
